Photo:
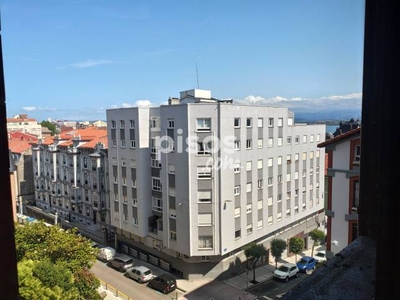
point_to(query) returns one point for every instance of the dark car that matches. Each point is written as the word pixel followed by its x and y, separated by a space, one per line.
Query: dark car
pixel 306 263
pixel 121 262
pixel 164 283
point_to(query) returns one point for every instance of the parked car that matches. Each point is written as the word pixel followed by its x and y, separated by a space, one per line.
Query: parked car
pixel 286 271
pixel 121 262
pixel 140 274
pixel 106 253
pixel 320 256
pixel 306 263
pixel 164 283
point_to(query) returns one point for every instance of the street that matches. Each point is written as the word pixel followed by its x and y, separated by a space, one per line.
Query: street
pixel 127 286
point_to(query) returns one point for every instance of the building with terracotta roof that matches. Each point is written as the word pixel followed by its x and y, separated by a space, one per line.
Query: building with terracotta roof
pixel 71 176
pixel 21 174
pixel 24 124
pixel 343 176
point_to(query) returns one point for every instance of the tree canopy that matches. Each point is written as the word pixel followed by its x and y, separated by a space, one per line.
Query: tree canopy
pixel 54 263
pixel 52 127
pixel 253 253
pixel 277 248
pixel 317 236
pixel 296 244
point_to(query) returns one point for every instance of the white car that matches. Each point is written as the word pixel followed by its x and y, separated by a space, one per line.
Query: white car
pixel 286 271
pixel 140 274
pixel 320 256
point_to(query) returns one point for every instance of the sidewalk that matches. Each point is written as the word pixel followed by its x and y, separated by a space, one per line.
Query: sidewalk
pixel 265 272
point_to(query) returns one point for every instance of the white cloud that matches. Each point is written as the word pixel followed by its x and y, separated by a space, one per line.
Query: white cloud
pixel 90 63
pixel 138 103
pixel 346 101
pixel 35 108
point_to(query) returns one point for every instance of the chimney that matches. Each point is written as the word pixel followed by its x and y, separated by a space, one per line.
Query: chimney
pixel 173 101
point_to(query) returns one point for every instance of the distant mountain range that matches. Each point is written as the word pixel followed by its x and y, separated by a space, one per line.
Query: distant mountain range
pixel 333 116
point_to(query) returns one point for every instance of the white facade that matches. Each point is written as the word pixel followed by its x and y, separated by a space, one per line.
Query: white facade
pixel 24 124
pixel 201 202
pixel 71 179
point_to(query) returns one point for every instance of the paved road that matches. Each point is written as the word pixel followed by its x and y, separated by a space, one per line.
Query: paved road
pixel 128 286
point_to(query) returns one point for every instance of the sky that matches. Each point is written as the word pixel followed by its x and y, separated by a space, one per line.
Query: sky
pixel 74 59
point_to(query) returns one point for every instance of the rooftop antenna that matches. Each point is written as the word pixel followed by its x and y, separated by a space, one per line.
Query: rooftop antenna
pixel 197 74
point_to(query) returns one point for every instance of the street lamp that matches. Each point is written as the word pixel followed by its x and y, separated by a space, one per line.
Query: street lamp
pixel 55 218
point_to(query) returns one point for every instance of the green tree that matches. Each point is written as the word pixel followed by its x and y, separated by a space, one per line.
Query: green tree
pixel 277 248
pixel 36 241
pixel 317 236
pixel 51 126
pixel 87 284
pixel 54 263
pixel 253 254
pixel 296 245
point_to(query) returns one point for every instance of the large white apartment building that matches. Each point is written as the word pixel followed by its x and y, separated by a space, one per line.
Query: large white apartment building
pixel 24 124
pixel 71 177
pixel 194 181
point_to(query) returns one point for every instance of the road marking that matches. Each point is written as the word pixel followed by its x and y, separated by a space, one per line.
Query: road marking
pixel 268 298
pixel 280 295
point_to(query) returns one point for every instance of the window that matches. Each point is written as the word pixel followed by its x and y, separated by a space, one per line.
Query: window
pixel 260 122
pixel 297 139
pixel 236 122
pixel 270 142
pixel 113 124
pixel 304 155
pixel 134 202
pixel 279 178
pixel 248 208
pixel 260 224
pixel 154 123
pixel 248 166
pixel 236 190
pixel 311 154
pixel 156 184
pixel 122 123
pixel 269 220
pixel 270 181
pixel 204 219
pixel 279 160
pixel 260 183
pixel 296 175
pixel 135 221
pixel 204 196
pixel 132 144
pixel 172 235
pixel 155 163
pixel 296 157
pixel 259 143
pixel 132 123
pixel 171 123
pixel 304 139
pixel 279 216
pixel 205 242
pixel 290 121
pixel 259 164
pixel 357 153
pixel 236 168
pixel 249 187
pixel 317 154
pixel 249 228
pixel 249 122
pixel 270 162
pixel 205 258
pixel 270 199
pixel 288 159
pixel 318 137
pixel 204 173
pixel 259 204
pixel 280 122
pixel 204 148
pixel 289 140
pixel 203 124
pixel 157 204
pixel 280 142
pixel 236 145
pixel 356 193
pixel 237 212
pixel 237 234
pixel 270 122
pixel 248 144
pixel 288 177
pixel 311 138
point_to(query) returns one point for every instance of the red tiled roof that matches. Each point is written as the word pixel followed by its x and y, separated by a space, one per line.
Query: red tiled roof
pixel 340 138
pixel 12 135
pixel 19 142
pixel 13 120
